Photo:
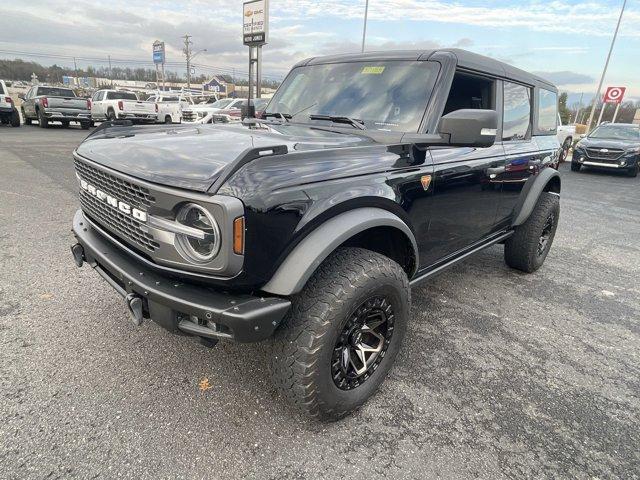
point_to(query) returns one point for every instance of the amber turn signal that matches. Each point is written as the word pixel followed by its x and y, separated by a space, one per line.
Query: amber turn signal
pixel 238 235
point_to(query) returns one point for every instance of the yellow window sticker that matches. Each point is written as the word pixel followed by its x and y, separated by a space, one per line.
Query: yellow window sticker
pixel 372 70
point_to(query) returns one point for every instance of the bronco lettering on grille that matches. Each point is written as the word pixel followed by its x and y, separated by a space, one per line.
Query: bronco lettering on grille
pixel 125 208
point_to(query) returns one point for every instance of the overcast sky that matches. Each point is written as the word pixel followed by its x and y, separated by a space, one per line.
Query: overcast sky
pixel 565 41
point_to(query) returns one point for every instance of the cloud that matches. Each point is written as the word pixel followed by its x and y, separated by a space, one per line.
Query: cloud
pixel 566 78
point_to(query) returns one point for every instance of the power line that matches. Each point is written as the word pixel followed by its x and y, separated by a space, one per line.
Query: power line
pixel 223 69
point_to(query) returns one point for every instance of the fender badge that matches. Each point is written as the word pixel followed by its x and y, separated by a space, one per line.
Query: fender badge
pixel 425 180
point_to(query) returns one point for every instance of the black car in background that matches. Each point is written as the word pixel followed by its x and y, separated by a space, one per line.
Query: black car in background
pixel 610 146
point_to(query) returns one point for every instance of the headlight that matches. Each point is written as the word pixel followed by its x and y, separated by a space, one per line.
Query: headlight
pixel 633 150
pixel 205 246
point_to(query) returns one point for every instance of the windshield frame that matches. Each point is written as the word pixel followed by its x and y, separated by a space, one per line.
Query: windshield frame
pixel 432 71
pixel 613 126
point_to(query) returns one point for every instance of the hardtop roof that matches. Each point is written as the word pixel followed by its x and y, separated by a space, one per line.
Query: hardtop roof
pixel 465 59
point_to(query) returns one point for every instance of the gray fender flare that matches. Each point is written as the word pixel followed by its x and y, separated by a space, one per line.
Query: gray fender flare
pixel 531 193
pixel 305 258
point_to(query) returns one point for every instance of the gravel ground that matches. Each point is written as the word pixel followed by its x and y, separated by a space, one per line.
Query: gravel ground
pixel 503 375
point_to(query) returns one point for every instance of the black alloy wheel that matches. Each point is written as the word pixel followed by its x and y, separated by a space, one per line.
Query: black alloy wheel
pixel 547 230
pixel 363 343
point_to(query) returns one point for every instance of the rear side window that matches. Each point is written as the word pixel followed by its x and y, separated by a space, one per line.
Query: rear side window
pixel 516 120
pixel 2 92
pixel 56 92
pixel 547 111
pixel 121 96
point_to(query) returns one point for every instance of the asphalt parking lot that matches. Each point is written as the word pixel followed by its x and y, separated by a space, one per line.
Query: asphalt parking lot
pixel 503 375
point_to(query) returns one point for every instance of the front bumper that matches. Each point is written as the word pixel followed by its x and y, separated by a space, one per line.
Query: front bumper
pixel 193 309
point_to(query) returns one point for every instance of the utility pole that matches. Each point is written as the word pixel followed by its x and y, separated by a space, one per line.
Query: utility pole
pixel 604 72
pixel 110 74
pixel 187 53
pixel 364 30
pixel 75 67
pixel 575 119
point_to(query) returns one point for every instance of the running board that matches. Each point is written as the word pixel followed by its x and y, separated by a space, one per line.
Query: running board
pixel 421 278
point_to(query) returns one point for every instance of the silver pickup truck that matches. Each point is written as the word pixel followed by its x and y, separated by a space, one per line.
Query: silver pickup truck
pixel 46 104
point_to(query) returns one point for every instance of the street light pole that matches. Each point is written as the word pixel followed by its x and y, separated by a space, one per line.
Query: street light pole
pixel 604 72
pixel 364 30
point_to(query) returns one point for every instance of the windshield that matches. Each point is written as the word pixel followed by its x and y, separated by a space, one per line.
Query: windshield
pixel 56 92
pixel 616 132
pixel 222 103
pixel 390 95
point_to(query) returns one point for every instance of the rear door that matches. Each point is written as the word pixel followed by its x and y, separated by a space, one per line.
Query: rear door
pixel 522 154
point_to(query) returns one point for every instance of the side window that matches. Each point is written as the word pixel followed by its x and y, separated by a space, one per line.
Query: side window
pixel 96 96
pixel 516 119
pixel 547 111
pixel 470 91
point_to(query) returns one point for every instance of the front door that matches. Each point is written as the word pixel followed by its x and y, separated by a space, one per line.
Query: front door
pixel 465 200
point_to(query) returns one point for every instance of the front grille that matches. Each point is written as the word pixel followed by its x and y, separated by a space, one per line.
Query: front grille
pixel 119 223
pixel 189 115
pixel 610 154
pixel 128 192
pixel 123 226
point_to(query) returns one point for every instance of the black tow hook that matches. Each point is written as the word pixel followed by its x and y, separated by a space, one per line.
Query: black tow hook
pixel 134 303
pixel 78 254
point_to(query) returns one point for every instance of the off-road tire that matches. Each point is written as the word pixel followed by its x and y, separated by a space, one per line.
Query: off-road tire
pixel 304 343
pixel 15 119
pixel 42 120
pixel 575 167
pixel 521 250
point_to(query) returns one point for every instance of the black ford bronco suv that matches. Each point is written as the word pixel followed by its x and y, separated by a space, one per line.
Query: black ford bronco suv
pixel 366 175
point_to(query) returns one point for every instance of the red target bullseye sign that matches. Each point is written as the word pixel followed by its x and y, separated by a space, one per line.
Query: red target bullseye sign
pixel 614 94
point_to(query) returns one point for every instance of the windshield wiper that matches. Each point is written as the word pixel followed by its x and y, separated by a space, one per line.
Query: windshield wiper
pixel 284 116
pixel 355 122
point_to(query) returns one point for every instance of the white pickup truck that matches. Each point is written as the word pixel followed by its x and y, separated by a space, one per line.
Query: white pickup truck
pixel 8 112
pixel 168 108
pixel 566 135
pixel 121 105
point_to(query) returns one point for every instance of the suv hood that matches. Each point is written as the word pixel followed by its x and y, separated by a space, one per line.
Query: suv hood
pixel 608 143
pixel 192 157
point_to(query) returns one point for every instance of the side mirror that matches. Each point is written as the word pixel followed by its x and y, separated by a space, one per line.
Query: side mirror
pixel 469 127
pixel 21 96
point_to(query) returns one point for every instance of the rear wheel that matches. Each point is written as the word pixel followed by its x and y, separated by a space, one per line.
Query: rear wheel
pixel 111 115
pixel 42 120
pixel 528 247
pixel 65 123
pixel 341 337
pixel 85 125
pixel 15 119
pixel 564 150
pixel 167 119
pixel 575 167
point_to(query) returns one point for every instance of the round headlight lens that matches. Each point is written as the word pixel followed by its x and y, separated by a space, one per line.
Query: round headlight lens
pixel 198 250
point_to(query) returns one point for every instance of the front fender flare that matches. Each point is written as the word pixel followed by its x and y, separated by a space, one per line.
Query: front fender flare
pixel 305 258
pixel 531 193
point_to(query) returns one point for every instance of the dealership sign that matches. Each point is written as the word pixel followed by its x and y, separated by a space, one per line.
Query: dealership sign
pixel 614 94
pixel 255 22
pixel 158 52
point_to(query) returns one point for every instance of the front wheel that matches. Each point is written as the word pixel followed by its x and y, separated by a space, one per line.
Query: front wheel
pixel 633 171
pixel 575 167
pixel 342 334
pixel 528 247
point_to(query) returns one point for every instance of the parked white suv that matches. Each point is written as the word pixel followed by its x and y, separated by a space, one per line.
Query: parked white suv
pixel 121 105
pixel 8 112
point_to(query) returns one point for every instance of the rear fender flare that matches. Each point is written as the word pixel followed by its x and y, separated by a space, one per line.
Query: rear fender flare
pixel 294 272
pixel 531 192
